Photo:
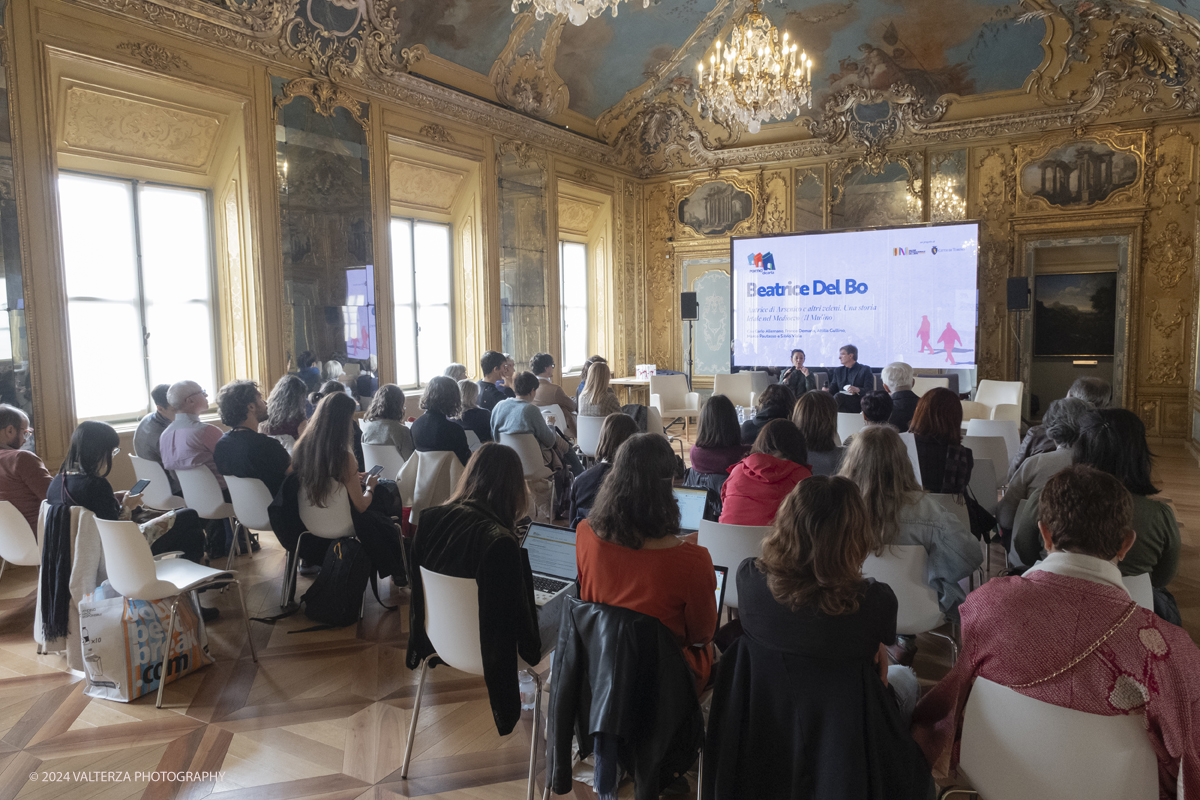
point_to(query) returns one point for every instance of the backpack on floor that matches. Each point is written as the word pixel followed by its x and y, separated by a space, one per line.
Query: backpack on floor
pixel 336 596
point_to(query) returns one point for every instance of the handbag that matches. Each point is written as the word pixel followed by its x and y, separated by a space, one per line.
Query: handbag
pixel 982 522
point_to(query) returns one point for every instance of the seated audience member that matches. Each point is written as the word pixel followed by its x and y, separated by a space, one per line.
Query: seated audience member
pixel 848 382
pixel 83 481
pixel 876 410
pixel 492 366
pixel 187 442
pixel 150 430
pixel 286 408
pixel 937 427
pixel 1061 422
pixel 598 399
pixel 901 514
pixel 718 439
pixel 309 371
pixel 583 375
pixel 1113 440
pixel 613 433
pixel 1069 635
pixel 474 536
pixel 327 473
pixel 23 477
pixel 797 377
pixel 456 371
pixel 808 681
pixel 337 387
pixel 816 417
pixel 384 421
pixel 435 429
pixel 518 415
pixel 897 378
pixel 775 402
pixel 472 417
pixel 1096 392
pixel 508 372
pixel 630 555
pixel 758 483
pixel 243 452
pixel 367 383
pixel 549 393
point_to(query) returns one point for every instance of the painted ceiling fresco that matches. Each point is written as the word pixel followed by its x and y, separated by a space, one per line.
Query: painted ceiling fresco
pixel 961 47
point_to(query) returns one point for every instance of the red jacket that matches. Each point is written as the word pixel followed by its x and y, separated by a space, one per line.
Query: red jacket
pixel 756 486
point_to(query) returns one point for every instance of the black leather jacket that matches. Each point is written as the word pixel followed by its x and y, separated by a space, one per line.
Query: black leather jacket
pixel 621 673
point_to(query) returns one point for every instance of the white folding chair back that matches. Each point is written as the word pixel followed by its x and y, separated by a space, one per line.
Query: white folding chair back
pixel 158 493
pixel 1014 747
pixel 670 395
pixel 1006 429
pixel 738 388
pixel 530 451
pixel 203 494
pixel 452 620
pixel 251 498
pixel 972 410
pixel 956 505
pixel 994 393
pixel 923 383
pixel 1007 411
pixel 331 522
pixel 989 448
pixel 384 455
pixel 849 424
pixel 560 418
pixel 729 546
pixel 428 479
pixel 902 567
pixel 587 430
pixel 473 442
pixel 983 484
pixel 18 545
pixel 910 443
pixel 1140 589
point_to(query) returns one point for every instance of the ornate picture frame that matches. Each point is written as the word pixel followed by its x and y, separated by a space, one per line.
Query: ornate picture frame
pixel 1065 173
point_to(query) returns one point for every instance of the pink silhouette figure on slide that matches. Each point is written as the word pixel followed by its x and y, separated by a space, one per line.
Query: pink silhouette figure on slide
pixel 949 338
pixel 923 335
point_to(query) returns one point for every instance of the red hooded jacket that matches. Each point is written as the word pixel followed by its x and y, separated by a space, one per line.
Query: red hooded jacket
pixel 756 486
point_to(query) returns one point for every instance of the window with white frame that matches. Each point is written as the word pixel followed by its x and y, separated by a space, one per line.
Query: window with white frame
pixel 572 266
pixel 138 269
pixel 421 289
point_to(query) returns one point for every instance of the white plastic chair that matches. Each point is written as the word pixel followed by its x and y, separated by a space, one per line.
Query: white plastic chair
pixel 18 545
pixel 994 393
pixel 452 625
pixel 537 474
pixel 729 546
pixel 988 448
pixel 984 488
pixel 910 443
pixel 203 495
pixel 670 395
pixel 923 383
pixel 158 494
pixel 1140 589
pixel 473 442
pixel 849 424
pixel 251 498
pixel 587 430
pixel 334 521
pixel 1014 747
pixel 956 505
pixel 972 410
pixel 135 573
pixel 384 455
pixel 561 418
pixel 1006 429
pixel 737 387
pixel 902 567
pixel 1007 411
pixel 427 480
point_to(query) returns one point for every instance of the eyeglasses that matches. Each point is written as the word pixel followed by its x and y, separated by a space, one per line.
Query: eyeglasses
pixel 116 451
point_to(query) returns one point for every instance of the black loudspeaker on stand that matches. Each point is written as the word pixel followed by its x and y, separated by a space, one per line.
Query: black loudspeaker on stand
pixel 1018 294
pixel 689 308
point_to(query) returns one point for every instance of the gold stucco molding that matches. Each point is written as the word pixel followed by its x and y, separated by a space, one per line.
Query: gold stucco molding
pixel 155 56
pixel 325 98
pixel 437 133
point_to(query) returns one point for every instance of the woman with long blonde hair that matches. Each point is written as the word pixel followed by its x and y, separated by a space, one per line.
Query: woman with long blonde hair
pixel 598 399
pixel 809 680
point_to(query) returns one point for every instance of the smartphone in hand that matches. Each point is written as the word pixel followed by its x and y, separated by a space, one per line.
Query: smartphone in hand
pixel 139 487
pixel 375 470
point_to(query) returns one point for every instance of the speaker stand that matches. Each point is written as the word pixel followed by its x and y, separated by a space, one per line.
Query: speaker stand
pixel 691 354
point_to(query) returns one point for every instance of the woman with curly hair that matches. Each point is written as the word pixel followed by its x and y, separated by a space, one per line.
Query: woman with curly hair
pixel 286 408
pixel 384 421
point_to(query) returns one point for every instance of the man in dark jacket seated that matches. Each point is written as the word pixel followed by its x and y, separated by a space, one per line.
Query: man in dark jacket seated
pixel 850 380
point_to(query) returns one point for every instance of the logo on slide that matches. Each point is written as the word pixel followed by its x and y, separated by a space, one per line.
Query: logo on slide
pixel 761 262
pixel 907 251
pixel 933 249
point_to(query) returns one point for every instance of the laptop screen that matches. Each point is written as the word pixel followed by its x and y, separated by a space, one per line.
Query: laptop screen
pixel 722 575
pixel 691 507
pixel 552 551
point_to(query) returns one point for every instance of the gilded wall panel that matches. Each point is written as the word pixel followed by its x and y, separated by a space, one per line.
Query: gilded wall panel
pixel 776 214
pixel 662 319
pixel 100 122
pixel 576 216
pixel 421 185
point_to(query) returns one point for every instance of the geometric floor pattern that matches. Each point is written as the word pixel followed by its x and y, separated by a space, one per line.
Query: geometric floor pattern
pixel 322 714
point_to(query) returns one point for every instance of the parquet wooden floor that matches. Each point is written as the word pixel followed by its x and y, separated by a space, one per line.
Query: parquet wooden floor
pixel 323 714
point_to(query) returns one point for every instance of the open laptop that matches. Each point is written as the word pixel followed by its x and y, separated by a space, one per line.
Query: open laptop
pixel 722 577
pixel 552 558
pixel 691 508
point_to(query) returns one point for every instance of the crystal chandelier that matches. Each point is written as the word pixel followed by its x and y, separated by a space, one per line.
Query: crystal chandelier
pixel 577 11
pixel 757 78
pixel 945 202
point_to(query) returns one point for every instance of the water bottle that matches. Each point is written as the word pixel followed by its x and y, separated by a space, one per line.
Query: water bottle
pixel 528 690
pixel 741 412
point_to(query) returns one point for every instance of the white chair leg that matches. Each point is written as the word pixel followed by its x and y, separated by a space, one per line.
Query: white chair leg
pixel 287 577
pixel 246 618
pixel 3 564
pixel 412 725
pixel 293 576
pixel 234 548
pixel 533 734
pixel 162 680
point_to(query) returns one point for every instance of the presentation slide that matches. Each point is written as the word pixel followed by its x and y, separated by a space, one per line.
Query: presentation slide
pixel 897 294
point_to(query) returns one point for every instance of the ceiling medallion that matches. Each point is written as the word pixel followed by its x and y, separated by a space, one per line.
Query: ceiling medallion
pixel 757 78
pixel 577 11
